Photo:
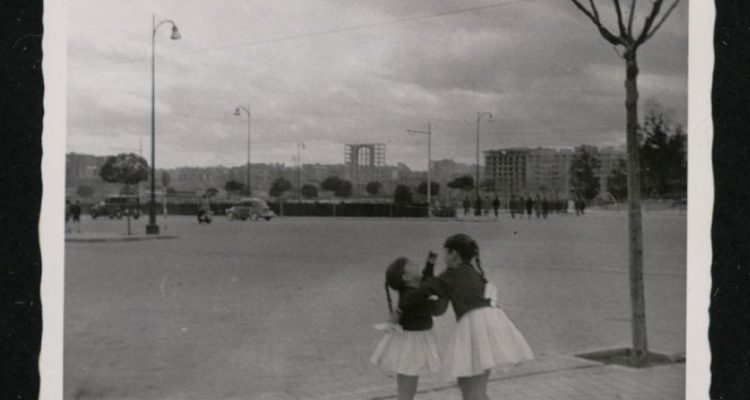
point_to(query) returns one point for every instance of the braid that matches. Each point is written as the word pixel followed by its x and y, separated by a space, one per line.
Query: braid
pixel 475 248
pixel 481 271
pixel 388 296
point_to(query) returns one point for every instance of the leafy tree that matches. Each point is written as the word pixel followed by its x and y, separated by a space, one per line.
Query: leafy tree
pixel 279 186
pixel 233 186
pixel 465 183
pixel 434 188
pixel 84 191
pixel 345 190
pixel 617 181
pixel 339 187
pixel 373 188
pixel 402 195
pixel 309 191
pixel 331 184
pixel 211 192
pixel 489 185
pixel 127 169
pixel 583 173
pixel 663 156
pixel 678 167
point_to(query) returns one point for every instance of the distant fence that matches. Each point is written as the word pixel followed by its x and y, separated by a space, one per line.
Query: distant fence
pixel 307 209
pixel 357 210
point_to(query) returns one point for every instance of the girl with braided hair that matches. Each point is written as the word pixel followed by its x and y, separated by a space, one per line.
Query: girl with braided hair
pixel 409 347
pixel 484 338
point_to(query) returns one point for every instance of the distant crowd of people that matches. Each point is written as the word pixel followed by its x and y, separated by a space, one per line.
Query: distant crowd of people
pixel 538 206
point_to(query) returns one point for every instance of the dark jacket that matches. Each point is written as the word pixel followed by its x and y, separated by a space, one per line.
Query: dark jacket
pixel 416 309
pixel 462 285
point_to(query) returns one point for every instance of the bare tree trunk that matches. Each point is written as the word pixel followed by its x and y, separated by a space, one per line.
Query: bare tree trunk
pixel 635 230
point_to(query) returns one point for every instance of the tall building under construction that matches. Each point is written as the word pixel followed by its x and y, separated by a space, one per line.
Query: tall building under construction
pixel 544 171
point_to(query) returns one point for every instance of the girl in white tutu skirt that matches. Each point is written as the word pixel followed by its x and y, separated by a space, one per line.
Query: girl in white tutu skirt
pixel 484 338
pixel 409 347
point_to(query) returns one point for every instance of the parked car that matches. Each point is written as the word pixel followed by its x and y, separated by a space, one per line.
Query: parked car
pixel 250 208
pixel 117 207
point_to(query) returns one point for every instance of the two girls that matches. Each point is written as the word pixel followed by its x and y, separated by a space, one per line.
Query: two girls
pixel 484 338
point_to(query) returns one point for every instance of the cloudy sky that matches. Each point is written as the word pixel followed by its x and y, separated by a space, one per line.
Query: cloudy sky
pixel 330 72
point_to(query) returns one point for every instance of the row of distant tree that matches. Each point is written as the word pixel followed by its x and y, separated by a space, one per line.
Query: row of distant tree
pixel 663 159
pixel 339 187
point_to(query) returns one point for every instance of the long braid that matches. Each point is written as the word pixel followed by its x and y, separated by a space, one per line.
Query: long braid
pixel 479 262
pixel 388 296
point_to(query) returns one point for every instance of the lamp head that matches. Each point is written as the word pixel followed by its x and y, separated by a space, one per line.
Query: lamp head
pixel 175 33
pixel 237 111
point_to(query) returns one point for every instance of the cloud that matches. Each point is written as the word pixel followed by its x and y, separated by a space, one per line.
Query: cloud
pixel 308 73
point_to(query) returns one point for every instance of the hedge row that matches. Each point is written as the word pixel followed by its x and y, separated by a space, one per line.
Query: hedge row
pixel 318 209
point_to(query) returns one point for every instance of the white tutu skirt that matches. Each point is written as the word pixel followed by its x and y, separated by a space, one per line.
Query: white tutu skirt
pixel 408 352
pixel 484 339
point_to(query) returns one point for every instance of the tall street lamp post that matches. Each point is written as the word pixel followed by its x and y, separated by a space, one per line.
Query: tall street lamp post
pixel 300 145
pixel 477 210
pixel 152 228
pixel 428 132
pixel 247 173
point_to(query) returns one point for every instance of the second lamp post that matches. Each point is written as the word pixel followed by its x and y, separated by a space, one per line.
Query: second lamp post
pixel 428 132
pixel 477 209
pixel 247 175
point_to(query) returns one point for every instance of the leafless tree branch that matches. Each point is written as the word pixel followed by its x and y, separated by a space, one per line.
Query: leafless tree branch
pixel 594 17
pixel 649 22
pixel 586 12
pixel 620 23
pixel 594 10
pixel 661 21
pixel 631 16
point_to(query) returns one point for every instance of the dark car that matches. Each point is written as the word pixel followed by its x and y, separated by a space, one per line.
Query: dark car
pixel 117 207
pixel 250 208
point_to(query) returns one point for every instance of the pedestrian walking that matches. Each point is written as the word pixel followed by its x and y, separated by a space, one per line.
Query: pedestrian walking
pixel 485 337
pixel 512 204
pixel 545 207
pixel 495 205
pixel 67 216
pixel 409 347
pixel 478 206
pixel 467 205
pixel 486 206
pixel 538 206
pixel 75 212
pixel 529 206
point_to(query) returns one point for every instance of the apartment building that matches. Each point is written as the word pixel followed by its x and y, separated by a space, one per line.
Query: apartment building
pixel 543 171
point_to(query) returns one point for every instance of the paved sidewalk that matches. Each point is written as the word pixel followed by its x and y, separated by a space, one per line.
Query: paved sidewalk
pixel 561 378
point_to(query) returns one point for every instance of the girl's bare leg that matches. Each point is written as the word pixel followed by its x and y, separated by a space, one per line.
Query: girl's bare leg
pixel 474 387
pixel 407 386
pixel 483 381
